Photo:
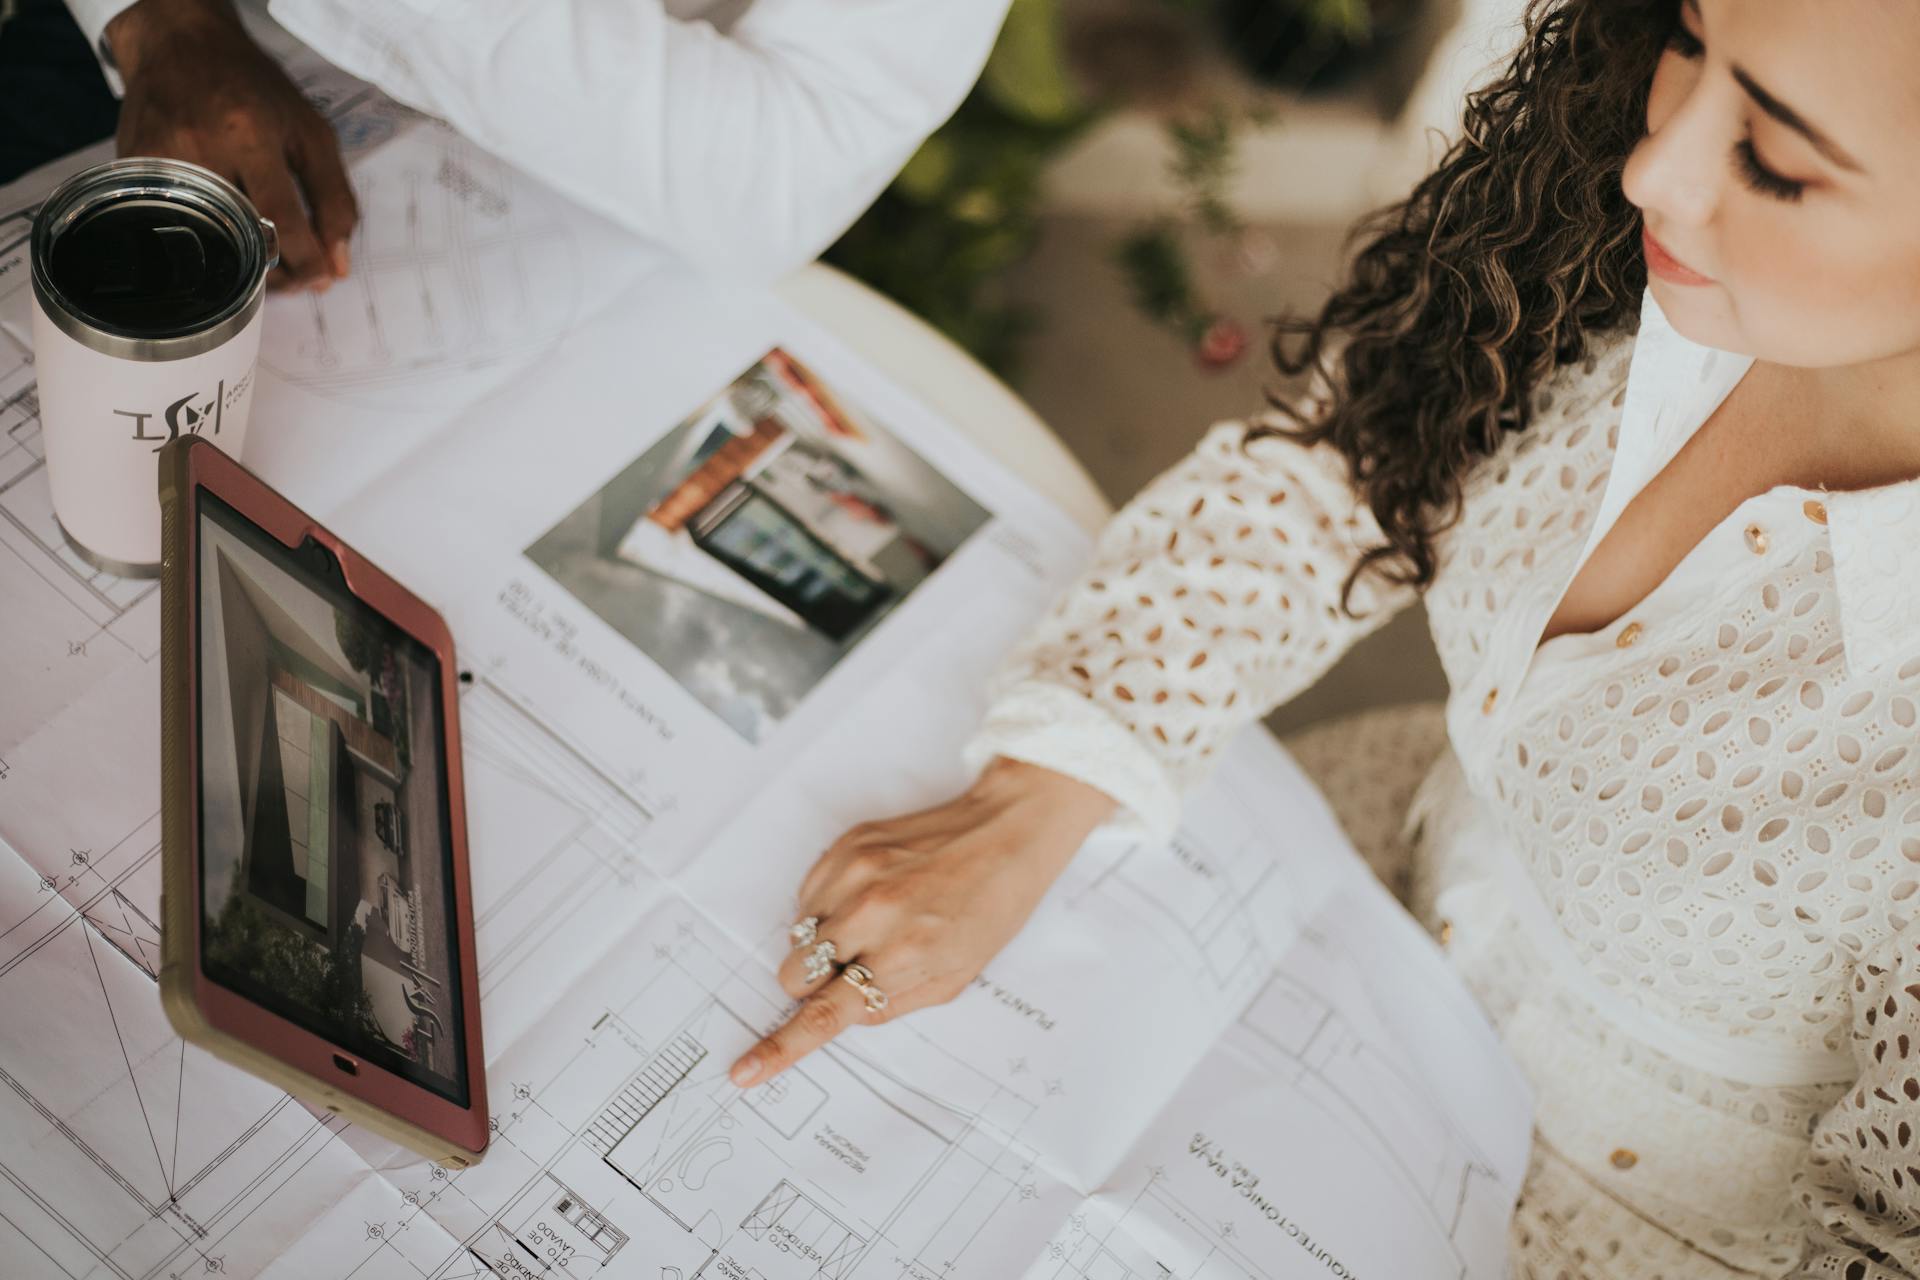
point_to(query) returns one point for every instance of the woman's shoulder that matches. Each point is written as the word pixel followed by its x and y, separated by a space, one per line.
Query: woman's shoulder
pixel 1579 403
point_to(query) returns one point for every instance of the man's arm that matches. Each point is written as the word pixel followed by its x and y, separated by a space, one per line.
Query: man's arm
pixel 746 152
pixel 195 87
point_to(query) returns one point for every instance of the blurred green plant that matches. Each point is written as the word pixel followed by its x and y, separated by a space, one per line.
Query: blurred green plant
pixel 1310 45
pixel 943 237
pixel 1351 19
pixel 1154 258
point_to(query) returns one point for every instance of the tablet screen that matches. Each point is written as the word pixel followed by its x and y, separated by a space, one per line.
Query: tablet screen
pixel 326 860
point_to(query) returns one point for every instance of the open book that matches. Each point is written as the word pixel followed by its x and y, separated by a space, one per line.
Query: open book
pixel 724 590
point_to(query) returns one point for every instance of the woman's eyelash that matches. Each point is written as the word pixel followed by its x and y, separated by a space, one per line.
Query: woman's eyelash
pixel 1746 159
pixel 1762 179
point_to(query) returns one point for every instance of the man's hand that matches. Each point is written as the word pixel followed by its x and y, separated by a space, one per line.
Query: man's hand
pixel 199 89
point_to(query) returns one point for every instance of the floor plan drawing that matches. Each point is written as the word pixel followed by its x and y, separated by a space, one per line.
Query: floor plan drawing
pixel 16 290
pixel 1222 898
pixel 1202 894
pixel 1098 1247
pixel 1228 1056
pixel 549 1229
pixel 132 1153
pixel 129 1154
pixel 1348 1065
pixel 621 1148
pixel 460 264
pixel 455 267
pixel 124 925
pixel 1228 1182
pixel 557 853
pixel 625 1150
pixel 101 600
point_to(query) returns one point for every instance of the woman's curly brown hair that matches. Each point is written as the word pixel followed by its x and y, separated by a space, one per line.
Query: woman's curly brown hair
pixel 1500 266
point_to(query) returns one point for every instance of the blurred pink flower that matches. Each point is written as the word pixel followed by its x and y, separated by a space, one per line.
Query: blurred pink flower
pixel 1222 343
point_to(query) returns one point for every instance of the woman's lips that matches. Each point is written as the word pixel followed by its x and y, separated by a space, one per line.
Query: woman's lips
pixel 1665 265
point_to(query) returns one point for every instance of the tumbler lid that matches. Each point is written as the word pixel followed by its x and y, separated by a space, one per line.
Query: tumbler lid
pixel 150 259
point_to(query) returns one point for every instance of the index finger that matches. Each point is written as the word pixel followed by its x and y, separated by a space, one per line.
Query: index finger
pixel 269 184
pixel 820 1017
pixel 329 194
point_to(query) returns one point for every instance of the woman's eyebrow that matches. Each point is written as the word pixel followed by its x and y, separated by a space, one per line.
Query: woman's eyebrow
pixel 1787 116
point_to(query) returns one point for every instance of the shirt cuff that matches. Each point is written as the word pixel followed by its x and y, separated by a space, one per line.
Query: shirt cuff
pixel 1052 726
pixel 92 17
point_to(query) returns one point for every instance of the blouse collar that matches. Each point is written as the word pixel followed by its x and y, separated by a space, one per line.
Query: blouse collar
pixel 1674 385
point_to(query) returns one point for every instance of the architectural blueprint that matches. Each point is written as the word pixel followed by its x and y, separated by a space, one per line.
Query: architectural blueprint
pixel 1196 1063
pixel 460 265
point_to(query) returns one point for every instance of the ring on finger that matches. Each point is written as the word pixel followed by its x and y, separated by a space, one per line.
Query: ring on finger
pixel 804 931
pixel 819 961
pixel 861 978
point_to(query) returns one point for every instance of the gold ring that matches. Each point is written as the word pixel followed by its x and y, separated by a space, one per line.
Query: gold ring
pixel 861 978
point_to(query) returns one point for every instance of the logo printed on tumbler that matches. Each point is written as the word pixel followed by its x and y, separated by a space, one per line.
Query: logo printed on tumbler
pixel 190 413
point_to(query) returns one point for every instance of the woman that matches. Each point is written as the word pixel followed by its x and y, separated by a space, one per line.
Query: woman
pixel 1629 389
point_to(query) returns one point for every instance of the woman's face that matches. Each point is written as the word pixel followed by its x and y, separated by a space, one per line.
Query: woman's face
pixel 1779 180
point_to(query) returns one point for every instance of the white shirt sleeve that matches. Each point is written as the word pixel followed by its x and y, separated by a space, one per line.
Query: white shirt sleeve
pixel 1213 597
pixel 92 16
pixel 746 152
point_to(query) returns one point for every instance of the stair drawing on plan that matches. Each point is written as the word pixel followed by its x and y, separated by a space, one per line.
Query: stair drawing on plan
pixel 644 1092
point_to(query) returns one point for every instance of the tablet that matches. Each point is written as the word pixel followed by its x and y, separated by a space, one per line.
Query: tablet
pixel 317 917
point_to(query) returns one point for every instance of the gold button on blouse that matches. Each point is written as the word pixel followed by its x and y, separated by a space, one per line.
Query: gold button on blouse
pixel 1446 932
pixel 1486 707
pixel 1623 1159
pixel 1816 510
pixel 1756 539
pixel 1628 634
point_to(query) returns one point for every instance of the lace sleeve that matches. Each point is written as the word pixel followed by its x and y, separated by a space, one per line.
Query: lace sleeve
pixel 1860 1182
pixel 1213 597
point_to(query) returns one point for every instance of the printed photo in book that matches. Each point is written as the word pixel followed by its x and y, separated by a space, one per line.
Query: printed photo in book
pixel 755 544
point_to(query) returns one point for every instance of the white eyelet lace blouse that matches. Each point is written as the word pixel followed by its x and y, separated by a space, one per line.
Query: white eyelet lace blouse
pixel 1679 858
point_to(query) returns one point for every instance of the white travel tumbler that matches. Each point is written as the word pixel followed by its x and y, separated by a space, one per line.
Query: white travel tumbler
pixel 148 279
